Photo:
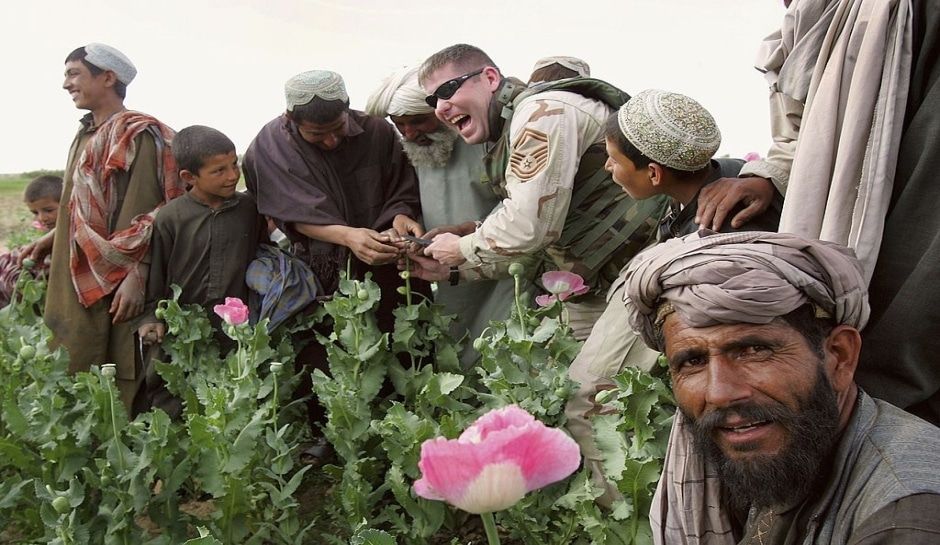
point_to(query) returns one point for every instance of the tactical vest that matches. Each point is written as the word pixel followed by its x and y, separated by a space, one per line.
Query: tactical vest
pixel 604 227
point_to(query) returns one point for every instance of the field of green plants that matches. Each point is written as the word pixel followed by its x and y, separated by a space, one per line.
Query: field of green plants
pixel 75 470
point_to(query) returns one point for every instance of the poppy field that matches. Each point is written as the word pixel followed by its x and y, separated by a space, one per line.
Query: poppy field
pixel 426 451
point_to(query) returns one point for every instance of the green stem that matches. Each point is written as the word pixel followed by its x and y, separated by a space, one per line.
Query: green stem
pixel 518 289
pixel 408 281
pixel 114 425
pixel 492 537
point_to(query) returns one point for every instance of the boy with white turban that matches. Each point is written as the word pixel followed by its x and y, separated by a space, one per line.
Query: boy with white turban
pixel 120 171
pixel 658 143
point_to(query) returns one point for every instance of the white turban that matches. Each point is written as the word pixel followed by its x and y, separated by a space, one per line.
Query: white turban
pixel 106 57
pixel 306 86
pixel 399 94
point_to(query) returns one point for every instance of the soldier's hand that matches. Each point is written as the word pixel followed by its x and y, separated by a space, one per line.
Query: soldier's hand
pixel 371 247
pixel 719 198
pixel 446 250
pixel 460 230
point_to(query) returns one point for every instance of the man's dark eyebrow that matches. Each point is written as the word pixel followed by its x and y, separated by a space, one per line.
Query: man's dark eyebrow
pixel 685 354
pixel 746 341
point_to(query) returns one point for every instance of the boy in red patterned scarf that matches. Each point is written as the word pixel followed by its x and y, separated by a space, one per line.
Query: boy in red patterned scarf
pixel 120 171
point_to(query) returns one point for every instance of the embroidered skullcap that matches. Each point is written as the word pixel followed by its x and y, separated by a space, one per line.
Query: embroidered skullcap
pixel 747 277
pixel 106 57
pixel 306 86
pixel 671 129
pixel 399 94
pixel 571 63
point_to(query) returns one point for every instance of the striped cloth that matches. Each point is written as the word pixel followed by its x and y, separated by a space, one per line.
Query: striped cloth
pixel 100 260
pixel 281 285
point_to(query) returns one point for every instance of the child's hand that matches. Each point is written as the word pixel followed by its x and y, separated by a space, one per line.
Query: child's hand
pixel 152 333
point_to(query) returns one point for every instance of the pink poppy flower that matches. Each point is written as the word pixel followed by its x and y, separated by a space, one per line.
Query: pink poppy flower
pixel 560 286
pixel 234 312
pixel 38 225
pixel 495 462
pixel 751 156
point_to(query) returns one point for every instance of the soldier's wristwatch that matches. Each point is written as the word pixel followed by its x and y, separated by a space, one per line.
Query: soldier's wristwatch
pixel 454 276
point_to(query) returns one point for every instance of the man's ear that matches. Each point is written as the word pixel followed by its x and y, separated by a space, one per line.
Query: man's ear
pixel 110 78
pixel 656 173
pixel 841 348
pixel 492 77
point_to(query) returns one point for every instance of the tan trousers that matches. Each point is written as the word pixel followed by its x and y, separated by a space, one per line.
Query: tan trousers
pixel 611 346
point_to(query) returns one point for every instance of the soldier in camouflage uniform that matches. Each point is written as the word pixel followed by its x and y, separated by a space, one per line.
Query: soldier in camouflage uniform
pixel 546 160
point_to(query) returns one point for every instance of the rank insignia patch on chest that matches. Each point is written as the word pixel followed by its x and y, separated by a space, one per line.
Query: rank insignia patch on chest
pixel 529 154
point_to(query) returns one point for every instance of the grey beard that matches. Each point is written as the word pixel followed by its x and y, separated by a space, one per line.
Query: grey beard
pixel 435 155
pixel 790 475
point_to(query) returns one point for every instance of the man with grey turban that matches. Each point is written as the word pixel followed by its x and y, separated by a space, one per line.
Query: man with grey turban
pixel 453 196
pixel 774 443
pixel 119 172
pixel 658 144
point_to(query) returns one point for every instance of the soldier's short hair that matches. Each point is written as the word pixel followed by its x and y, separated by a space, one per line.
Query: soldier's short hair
pixel 464 57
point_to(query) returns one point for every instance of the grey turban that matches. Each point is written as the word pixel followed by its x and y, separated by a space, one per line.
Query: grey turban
pixel 306 86
pixel 399 94
pixel 748 277
pixel 106 57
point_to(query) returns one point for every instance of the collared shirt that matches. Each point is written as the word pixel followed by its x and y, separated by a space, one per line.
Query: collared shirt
pixel 203 250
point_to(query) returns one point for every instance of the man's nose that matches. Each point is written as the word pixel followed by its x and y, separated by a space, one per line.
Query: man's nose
pixel 726 384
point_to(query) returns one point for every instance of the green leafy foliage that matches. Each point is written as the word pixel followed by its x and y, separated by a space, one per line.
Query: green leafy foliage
pixel 75 470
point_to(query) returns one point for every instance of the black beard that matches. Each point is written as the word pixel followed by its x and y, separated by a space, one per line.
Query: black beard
pixel 764 481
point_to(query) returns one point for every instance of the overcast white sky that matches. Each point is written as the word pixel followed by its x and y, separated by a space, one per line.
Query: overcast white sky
pixel 223 63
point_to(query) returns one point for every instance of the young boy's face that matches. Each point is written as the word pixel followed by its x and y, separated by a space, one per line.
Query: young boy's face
pixel 216 180
pixel 636 182
pixel 45 210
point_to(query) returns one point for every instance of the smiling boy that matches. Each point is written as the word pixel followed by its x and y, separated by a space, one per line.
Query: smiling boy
pixel 202 241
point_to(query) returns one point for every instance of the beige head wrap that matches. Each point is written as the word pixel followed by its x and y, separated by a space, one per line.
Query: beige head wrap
pixel 671 129
pixel 106 57
pixel 749 277
pixel 306 86
pixel 571 63
pixel 399 94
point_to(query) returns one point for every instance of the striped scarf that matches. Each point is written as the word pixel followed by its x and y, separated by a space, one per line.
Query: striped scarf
pixel 100 260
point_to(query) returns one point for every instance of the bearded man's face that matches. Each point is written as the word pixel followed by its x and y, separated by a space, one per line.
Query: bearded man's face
pixel 427 142
pixel 760 404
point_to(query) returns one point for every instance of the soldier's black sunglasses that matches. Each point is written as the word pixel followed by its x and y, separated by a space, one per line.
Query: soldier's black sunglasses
pixel 449 88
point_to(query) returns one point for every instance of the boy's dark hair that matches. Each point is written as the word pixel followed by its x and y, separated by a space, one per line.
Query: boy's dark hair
pixel 464 57
pixel 613 132
pixel 194 144
pixel 552 72
pixel 318 111
pixel 43 187
pixel 79 55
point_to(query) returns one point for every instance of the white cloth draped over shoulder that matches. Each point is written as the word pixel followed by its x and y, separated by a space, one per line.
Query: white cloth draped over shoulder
pixel 843 169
